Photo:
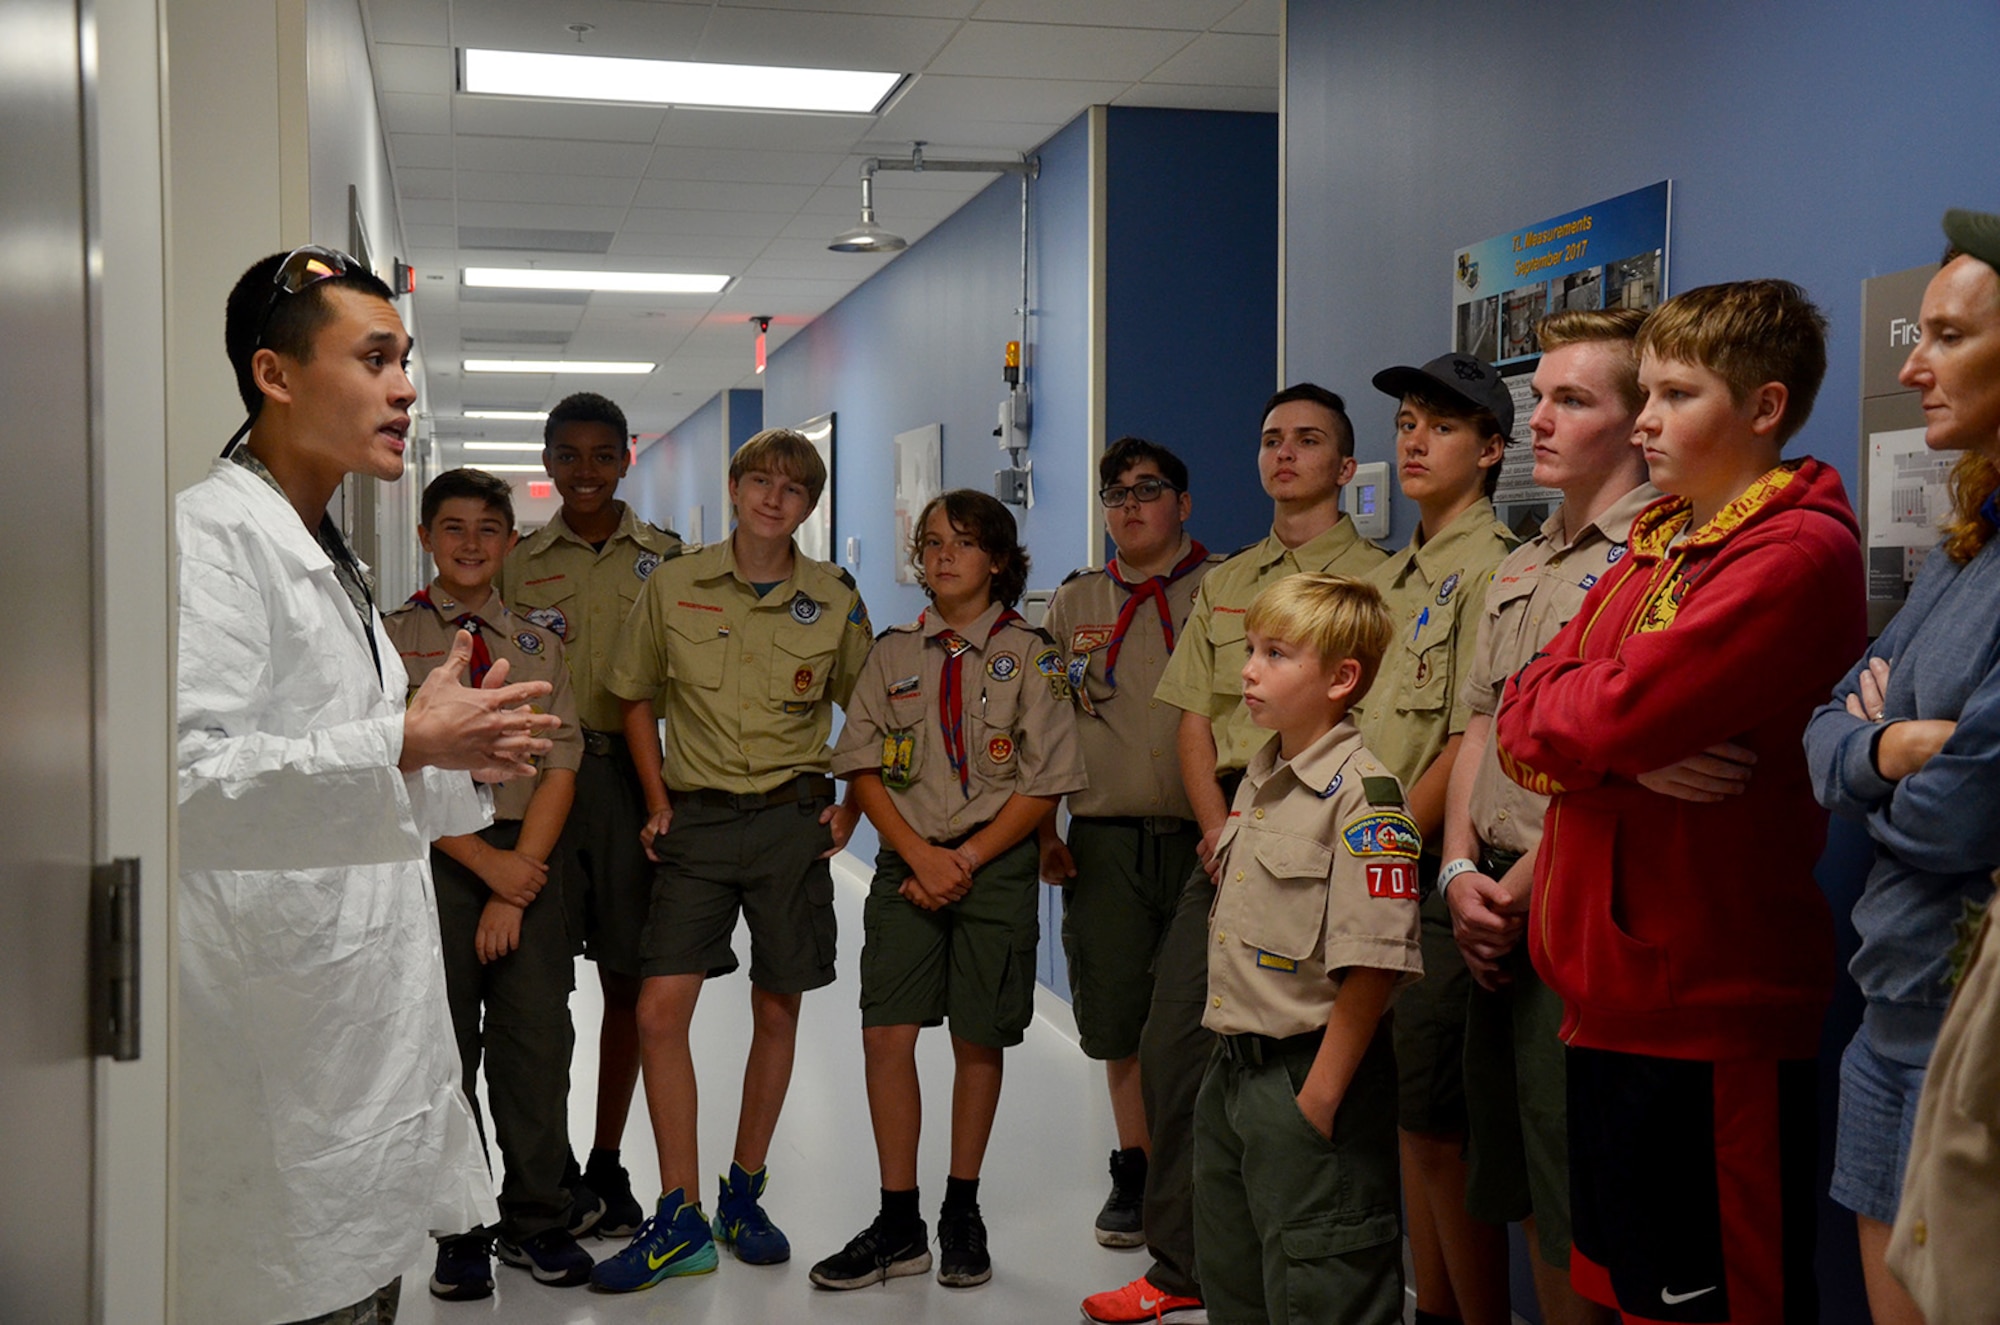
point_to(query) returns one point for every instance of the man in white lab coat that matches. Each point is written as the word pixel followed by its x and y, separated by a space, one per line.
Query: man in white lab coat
pixel 321 1128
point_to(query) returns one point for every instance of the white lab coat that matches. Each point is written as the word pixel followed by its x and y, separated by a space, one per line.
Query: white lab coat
pixel 322 1133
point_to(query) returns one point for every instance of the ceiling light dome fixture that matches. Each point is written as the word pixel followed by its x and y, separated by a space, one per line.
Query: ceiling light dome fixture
pixel 867 237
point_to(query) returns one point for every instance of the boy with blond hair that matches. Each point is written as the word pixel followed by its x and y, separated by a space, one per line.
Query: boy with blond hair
pixel 1314 929
pixel 1674 909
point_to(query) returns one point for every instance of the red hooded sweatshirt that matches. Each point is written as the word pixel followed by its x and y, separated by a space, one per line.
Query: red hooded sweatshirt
pixel 1670 928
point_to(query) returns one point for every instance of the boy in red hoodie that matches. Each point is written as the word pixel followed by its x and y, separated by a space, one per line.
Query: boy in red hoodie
pixel 1674 907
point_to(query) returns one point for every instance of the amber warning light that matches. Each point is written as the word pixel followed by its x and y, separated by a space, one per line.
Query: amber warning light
pixel 1012 371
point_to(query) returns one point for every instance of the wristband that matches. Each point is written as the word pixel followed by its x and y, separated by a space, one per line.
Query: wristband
pixel 1452 869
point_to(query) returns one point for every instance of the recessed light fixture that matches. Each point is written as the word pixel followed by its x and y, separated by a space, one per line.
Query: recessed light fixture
pixel 557 366
pixel 675 82
pixel 536 414
pixel 650 282
pixel 501 446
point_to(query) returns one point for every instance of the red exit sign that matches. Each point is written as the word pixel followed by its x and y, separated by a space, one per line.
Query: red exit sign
pixel 540 489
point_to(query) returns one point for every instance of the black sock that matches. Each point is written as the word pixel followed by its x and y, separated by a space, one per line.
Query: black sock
pixel 961 1195
pixel 1433 1318
pixel 599 1157
pixel 901 1208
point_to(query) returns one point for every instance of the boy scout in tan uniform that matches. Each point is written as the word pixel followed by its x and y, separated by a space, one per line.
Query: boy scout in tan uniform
pixel 505 937
pixel 747 671
pixel 1588 397
pixel 1454 418
pixel 1305 457
pixel 583 588
pixel 1314 928
pixel 1132 835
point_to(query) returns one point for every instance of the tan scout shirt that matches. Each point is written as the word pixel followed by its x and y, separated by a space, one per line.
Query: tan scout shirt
pixel 1435 592
pixel 1127 734
pixel 555 579
pixel 747 684
pixel 423 635
pixel 1019 729
pixel 1535 592
pixel 1319 874
pixel 1205 674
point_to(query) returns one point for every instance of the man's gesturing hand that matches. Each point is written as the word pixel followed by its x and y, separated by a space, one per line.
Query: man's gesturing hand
pixel 490 732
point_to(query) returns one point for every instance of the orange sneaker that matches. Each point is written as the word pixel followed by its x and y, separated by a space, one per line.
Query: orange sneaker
pixel 1139 1303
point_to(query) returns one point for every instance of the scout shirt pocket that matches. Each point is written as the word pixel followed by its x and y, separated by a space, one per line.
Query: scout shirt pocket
pixel 1509 627
pixel 1424 660
pixel 1230 652
pixel 1284 914
pixel 550 604
pixel 991 715
pixel 803 659
pixel 696 643
pixel 909 708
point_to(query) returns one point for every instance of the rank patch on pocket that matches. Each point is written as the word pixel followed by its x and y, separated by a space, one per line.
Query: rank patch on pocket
pixel 1271 961
pixel 899 757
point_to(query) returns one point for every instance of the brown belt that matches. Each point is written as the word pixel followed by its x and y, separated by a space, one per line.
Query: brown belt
pixel 805 787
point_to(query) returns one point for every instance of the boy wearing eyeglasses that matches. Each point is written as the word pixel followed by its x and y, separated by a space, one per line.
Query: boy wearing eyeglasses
pixel 1132 835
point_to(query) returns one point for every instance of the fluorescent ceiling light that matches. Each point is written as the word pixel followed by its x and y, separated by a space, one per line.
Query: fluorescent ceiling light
pixel 651 282
pixel 556 366
pixel 501 446
pixel 536 414
pixel 676 82
pixel 510 469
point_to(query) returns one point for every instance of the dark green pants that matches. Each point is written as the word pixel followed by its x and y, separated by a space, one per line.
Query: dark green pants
pixel 1129 877
pixel 524 1036
pixel 1517 1148
pixel 1173 1054
pixel 1292 1227
pixel 1430 1025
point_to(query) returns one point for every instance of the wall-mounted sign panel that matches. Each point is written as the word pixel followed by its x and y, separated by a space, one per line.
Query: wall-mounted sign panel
pixel 1904 492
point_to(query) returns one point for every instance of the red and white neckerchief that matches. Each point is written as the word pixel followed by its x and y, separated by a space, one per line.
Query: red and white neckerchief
pixel 1154 588
pixel 951 696
pixel 482 657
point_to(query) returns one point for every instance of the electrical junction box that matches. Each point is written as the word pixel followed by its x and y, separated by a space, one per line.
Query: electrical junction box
pixel 1010 485
pixel 1366 499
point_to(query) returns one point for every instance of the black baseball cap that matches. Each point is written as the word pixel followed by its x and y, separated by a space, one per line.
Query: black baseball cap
pixel 1472 382
pixel 1976 233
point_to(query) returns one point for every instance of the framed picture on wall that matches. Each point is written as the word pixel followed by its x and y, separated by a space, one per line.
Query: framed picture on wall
pixel 919 477
pixel 816 534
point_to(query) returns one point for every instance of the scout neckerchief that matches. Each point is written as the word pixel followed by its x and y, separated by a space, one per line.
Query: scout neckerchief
pixel 951 699
pixel 1154 588
pixel 482 657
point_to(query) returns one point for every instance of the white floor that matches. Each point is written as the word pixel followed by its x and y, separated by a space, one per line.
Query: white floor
pixel 1045 1173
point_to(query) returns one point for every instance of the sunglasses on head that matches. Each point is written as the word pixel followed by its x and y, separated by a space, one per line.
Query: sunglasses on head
pixel 303 268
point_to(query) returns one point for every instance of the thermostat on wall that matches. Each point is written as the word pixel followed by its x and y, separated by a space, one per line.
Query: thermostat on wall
pixel 1366 499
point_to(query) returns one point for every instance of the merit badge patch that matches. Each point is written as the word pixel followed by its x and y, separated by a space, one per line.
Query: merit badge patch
pixel 802 680
pixel 1074 673
pixel 907 688
pixel 805 610
pixel 1331 787
pixel 899 758
pixel 1384 833
pixel 1587 582
pixel 647 563
pixel 999 750
pixel 550 618
pixel 1396 880
pixel 1615 555
pixel 1049 663
pixel 528 642
pixel 1089 639
pixel 1448 588
pixel 1271 961
pixel 1003 666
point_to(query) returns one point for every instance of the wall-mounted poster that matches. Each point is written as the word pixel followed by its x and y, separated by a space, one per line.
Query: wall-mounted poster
pixel 815 536
pixel 1610 255
pixel 1905 486
pixel 919 477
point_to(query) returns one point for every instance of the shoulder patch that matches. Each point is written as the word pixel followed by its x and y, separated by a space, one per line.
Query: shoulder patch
pixel 1382 791
pixel 1384 833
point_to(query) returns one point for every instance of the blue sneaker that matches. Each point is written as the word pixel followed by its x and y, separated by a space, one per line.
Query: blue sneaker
pixel 464 1269
pixel 674 1241
pixel 741 1224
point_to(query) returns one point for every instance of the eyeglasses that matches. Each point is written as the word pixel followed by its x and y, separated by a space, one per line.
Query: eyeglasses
pixel 1146 489
pixel 303 268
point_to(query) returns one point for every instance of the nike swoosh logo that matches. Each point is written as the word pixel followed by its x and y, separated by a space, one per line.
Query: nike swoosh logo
pixel 1675 1299
pixel 1149 1303
pixel 655 1262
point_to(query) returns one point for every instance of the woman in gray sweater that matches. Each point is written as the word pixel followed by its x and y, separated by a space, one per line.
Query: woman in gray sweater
pixel 1910 745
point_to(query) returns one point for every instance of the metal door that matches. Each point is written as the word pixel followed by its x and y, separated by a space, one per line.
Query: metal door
pixel 46 783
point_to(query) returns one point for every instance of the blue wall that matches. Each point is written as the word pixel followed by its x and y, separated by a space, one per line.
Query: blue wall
pixel 690 464
pixel 1191 344
pixel 1817 142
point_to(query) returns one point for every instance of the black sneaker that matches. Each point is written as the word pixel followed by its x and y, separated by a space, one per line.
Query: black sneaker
pixel 586 1207
pixel 1121 1223
pixel 606 1177
pixel 551 1255
pixel 876 1253
pixel 464 1270
pixel 962 1258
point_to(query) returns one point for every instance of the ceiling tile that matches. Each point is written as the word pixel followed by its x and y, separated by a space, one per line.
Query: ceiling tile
pixel 1185 96
pixel 434 184
pixel 732 248
pixel 430 237
pixel 946 134
pixel 652 30
pixel 584 190
pixel 764 130
pixel 723 195
pixel 414 68
pixel 426 211
pixel 951 98
pixel 906 8
pixel 518 239
pixel 410 22
pixel 421 151
pixel 1053 51
pixel 1224 59
pixel 670 221
pixel 553 156
pixel 708 163
pixel 1190 15
pixel 524 117
pixel 416 112
pixel 519 299
pixel 539 215
pixel 890 43
pixel 1260 16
